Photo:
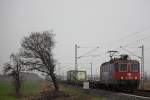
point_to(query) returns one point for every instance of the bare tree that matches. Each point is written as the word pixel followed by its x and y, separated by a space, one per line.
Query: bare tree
pixel 13 68
pixel 37 51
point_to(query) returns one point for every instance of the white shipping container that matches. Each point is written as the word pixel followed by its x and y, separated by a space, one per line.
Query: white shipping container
pixel 73 75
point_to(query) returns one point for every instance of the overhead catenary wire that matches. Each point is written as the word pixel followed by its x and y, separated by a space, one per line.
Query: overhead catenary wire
pixel 131 43
pixel 88 52
pixel 129 52
pixel 88 47
pixel 133 34
pixel 123 38
pixel 147 50
pixel 129 35
pixel 138 40
pixel 142 39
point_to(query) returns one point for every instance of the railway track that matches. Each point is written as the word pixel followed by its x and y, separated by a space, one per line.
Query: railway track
pixel 144 93
pixel 137 92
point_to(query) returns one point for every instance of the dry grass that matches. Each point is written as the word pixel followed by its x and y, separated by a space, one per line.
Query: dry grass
pixel 147 85
pixel 66 93
pixel 79 94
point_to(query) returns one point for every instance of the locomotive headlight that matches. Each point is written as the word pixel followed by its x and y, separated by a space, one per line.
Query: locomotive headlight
pixel 121 77
pixel 135 78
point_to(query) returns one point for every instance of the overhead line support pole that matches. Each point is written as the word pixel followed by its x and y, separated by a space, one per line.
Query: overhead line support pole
pixel 91 72
pixel 142 68
pixel 76 61
pixel 59 69
pixel 76 58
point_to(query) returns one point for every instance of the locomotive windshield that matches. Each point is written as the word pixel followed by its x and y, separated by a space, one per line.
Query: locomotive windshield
pixel 134 67
pixel 122 67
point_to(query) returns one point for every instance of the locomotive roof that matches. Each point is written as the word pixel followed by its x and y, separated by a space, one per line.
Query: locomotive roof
pixel 118 61
pixel 126 61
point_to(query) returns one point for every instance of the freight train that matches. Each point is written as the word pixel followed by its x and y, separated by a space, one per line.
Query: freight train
pixel 118 73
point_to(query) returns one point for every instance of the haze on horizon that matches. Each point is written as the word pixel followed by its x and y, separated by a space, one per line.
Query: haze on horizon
pixel 108 24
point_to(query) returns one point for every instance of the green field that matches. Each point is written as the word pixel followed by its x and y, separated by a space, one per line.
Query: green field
pixel 28 88
pixel 32 89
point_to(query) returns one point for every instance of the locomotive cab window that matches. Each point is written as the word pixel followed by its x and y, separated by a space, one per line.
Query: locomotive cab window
pixel 122 67
pixel 134 67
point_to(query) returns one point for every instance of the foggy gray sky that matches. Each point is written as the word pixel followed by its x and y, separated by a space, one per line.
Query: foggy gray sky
pixel 102 23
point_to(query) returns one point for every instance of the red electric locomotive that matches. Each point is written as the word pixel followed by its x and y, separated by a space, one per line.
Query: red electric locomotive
pixel 120 73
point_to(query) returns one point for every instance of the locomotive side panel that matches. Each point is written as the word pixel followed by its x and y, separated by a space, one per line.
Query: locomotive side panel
pixel 107 73
pixel 112 74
